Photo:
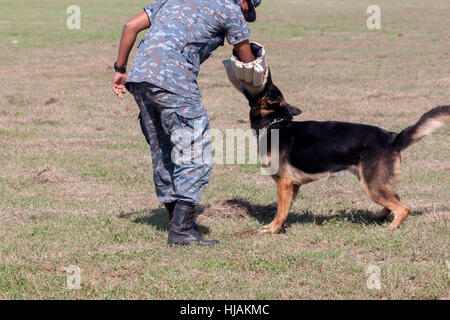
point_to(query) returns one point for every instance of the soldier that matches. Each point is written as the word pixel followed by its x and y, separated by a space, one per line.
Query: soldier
pixel 163 80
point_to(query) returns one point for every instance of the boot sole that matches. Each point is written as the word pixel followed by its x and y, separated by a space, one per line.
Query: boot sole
pixel 193 243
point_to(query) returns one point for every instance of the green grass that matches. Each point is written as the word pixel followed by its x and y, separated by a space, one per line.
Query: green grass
pixel 76 181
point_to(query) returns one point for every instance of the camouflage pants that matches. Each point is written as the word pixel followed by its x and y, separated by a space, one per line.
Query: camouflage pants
pixel 177 130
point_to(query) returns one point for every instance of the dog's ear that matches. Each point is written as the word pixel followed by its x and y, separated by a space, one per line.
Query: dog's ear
pixel 274 95
pixel 293 110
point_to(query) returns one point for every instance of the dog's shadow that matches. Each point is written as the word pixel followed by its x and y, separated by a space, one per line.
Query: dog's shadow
pixel 265 214
pixel 157 218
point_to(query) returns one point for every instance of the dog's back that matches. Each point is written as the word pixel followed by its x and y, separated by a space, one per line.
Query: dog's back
pixel 318 147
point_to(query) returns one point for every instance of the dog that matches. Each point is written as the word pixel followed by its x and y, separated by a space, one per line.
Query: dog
pixel 311 150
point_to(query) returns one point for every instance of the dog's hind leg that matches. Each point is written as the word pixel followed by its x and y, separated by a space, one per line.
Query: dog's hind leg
pixel 390 202
pixel 385 212
pixel 400 211
pixel 285 189
pixel 378 179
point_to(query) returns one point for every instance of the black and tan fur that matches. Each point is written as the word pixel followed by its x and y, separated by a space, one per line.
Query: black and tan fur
pixel 310 150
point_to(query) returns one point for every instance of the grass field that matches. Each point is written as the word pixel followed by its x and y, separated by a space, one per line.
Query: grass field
pixel 75 172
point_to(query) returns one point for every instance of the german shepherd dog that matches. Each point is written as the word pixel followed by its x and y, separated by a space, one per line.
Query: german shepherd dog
pixel 311 150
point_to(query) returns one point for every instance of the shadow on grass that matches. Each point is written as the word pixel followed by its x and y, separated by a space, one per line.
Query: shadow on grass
pixel 265 214
pixel 157 218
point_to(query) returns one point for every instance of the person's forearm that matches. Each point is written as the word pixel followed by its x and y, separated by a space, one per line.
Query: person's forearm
pixel 129 34
pixel 244 52
pixel 126 44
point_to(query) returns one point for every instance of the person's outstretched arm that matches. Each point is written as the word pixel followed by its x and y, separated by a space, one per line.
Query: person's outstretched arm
pixel 129 34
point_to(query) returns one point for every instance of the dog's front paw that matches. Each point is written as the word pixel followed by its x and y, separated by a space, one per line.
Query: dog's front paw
pixel 265 228
pixel 393 226
pixel 271 229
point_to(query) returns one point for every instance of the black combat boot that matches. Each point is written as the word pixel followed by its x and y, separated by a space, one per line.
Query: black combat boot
pixel 170 207
pixel 181 231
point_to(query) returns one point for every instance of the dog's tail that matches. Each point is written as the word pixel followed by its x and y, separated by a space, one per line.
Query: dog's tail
pixel 427 124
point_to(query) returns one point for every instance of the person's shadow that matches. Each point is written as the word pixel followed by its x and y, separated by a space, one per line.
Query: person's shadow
pixel 263 213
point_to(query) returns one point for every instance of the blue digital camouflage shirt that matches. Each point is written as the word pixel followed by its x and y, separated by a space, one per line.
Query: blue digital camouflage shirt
pixel 183 34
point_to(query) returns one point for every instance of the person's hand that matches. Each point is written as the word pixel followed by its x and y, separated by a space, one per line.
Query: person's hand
pixel 118 84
